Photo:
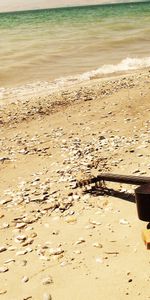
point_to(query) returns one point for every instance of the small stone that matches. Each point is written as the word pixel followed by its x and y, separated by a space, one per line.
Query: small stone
pixel 47 296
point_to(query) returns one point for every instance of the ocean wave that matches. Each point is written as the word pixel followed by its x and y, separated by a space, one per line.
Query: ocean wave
pixel 42 87
pixel 126 64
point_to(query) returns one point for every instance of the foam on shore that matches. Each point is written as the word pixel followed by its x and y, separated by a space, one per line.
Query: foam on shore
pixel 14 94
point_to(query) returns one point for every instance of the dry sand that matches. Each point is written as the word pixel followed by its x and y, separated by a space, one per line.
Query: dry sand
pixel 58 242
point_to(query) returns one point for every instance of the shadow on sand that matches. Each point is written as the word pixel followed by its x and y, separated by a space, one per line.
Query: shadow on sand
pixel 98 191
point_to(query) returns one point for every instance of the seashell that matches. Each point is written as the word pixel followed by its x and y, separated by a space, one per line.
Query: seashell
pixel 47 280
pixel 64 263
pixel 21 252
pixel 2 249
pixel 5 225
pixel 99 260
pixel 20 238
pixel 80 241
pixel 71 219
pixel 43 257
pixel 3 269
pixel 29 241
pixel 25 279
pixel 20 225
pixel 10 260
pixel 33 235
pixel 97 245
pixel 95 223
pixel 2 292
pixel 56 251
pixel 12 248
pixel 77 252
pixel 123 222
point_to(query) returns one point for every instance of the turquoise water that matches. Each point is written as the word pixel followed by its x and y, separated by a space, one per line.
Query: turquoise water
pixel 47 44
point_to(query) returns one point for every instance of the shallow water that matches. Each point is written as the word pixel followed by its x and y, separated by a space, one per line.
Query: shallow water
pixel 48 44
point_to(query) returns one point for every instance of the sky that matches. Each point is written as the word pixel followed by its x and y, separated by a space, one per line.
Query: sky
pixel 14 5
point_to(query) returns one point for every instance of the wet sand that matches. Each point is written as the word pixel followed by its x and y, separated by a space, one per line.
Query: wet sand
pixel 62 242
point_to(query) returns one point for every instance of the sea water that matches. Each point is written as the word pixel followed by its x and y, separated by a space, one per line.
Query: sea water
pixel 74 42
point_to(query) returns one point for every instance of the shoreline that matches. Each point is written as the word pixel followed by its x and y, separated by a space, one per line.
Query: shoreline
pixel 27 102
pixel 58 242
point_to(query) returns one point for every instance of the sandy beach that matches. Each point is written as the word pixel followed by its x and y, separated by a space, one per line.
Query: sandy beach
pixel 58 241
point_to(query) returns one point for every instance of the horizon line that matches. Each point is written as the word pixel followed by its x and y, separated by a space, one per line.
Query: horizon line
pixel 75 6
